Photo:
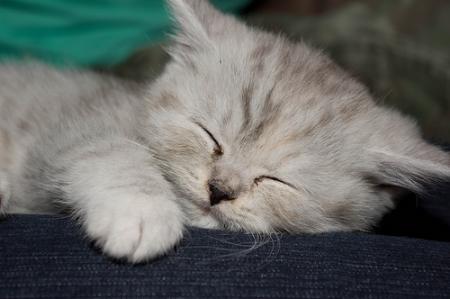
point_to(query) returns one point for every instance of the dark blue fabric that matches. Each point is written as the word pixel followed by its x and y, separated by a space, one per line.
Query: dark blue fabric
pixel 426 216
pixel 47 257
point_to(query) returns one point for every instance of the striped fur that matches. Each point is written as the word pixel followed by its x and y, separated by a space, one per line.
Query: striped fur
pixel 298 143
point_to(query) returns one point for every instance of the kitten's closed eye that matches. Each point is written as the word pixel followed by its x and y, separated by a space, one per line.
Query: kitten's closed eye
pixel 268 177
pixel 218 150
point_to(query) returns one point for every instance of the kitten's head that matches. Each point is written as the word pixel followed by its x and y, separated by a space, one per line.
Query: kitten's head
pixel 259 133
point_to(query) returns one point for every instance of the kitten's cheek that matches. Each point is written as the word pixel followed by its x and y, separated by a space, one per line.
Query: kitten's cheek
pixel 194 187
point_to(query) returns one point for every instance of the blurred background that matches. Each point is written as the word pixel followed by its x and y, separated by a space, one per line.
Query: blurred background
pixel 399 48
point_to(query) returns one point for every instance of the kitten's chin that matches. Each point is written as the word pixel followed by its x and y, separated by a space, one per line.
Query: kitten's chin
pixel 233 220
pixel 205 221
pixel 203 215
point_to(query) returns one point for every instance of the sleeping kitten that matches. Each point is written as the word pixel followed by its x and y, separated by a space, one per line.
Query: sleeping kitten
pixel 244 130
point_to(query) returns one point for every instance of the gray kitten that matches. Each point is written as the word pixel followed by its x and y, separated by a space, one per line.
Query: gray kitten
pixel 244 130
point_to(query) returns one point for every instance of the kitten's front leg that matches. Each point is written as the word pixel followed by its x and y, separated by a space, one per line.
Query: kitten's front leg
pixel 123 201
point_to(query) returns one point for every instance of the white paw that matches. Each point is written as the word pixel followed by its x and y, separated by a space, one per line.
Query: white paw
pixel 137 229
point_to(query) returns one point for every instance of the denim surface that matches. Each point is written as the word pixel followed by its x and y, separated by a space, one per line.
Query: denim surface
pixel 48 257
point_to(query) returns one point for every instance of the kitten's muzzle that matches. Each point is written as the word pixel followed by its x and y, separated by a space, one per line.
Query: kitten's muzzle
pixel 218 193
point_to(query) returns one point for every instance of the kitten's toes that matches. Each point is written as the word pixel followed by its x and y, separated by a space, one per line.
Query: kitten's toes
pixel 157 238
pixel 138 232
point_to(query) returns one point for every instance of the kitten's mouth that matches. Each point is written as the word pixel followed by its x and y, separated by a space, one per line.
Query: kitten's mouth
pixel 203 205
pixel 210 210
pixel 205 210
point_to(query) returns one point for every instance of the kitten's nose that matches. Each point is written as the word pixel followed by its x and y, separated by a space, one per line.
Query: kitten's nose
pixel 218 193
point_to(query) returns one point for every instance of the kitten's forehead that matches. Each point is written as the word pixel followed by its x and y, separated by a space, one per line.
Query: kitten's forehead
pixel 285 99
pixel 266 97
pixel 271 87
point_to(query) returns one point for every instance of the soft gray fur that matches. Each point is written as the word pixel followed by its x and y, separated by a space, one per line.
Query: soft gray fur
pixel 296 144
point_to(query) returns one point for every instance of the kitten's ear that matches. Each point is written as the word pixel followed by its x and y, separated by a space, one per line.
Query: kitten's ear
pixel 198 21
pixel 414 171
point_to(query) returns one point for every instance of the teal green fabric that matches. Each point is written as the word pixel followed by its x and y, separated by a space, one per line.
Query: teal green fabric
pixel 84 32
